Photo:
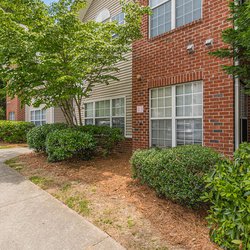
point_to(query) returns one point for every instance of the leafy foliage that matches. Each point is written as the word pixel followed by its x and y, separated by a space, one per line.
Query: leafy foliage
pixel 229 216
pixel 175 173
pixel 36 137
pixel 64 144
pixel 238 37
pixel 106 137
pixel 51 57
pixel 2 101
pixel 13 131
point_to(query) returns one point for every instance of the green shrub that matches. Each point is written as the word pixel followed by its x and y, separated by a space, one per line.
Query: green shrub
pixel 175 173
pixel 14 131
pixel 229 194
pixel 64 144
pixel 36 138
pixel 106 137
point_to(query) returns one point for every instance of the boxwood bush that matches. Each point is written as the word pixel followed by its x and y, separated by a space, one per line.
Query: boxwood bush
pixel 14 131
pixel 36 137
pixel 175 173
pixel 64 144
pixel 229 194
pixel 106 137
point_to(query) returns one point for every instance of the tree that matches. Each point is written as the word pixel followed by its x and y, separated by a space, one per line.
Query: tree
pixel 238 39
pixel 49 56
pixel 2 101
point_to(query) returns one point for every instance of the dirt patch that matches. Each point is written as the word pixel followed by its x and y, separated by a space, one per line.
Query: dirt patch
pixel 103 191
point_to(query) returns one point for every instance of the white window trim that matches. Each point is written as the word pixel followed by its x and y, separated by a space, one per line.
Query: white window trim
pixel 12 116
pixel 38 109
pixel 110 99
pixel 174 118
pixel 173 17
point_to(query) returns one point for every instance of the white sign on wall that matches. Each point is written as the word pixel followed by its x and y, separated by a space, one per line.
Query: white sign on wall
pixel 140 109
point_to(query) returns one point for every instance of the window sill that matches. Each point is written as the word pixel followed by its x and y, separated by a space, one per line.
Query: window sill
pixel 163 35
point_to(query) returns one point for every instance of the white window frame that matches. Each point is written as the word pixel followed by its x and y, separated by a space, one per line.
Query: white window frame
pixel 41 120
pixel 173 16
pixel 12 116
pixel 174 117
pixel 111 116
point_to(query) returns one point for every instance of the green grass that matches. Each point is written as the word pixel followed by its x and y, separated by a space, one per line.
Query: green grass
pixel 40 181
pixel 13 163
pixel 130 222
pixel 65 187
pixel 78 204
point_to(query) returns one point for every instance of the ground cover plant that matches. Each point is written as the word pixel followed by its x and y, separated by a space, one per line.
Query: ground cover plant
pixel 176 173
pixel 229 194
pixel 14 131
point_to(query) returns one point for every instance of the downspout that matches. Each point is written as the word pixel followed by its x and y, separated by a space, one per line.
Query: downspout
pixel 237 112
pixel 236 104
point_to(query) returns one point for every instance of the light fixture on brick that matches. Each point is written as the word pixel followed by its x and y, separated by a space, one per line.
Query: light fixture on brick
pixel 209 42
pixel 190 48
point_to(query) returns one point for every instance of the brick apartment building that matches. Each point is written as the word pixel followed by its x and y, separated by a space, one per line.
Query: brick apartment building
pixel 180 93
pixel 172 92
pixel 14 111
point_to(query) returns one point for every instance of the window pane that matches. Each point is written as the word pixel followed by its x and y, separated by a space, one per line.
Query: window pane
pixel 119 123
pixel 102 109
pixel 189 100
pixel 89 122
pixel 189 131
pixel 161 18
pixel 118 107
pixel 102 122
pixel 161 133
pixel 187 11
pixel 89 109
pixel 161 102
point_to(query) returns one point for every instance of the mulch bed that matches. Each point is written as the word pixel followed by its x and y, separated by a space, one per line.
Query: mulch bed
pixel 128 211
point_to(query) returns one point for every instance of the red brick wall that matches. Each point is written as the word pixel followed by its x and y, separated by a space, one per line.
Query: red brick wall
pixel 164 60
pixel 14 105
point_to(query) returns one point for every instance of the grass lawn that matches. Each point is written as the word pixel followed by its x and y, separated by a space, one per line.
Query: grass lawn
pixel 103 191
pixel 9 145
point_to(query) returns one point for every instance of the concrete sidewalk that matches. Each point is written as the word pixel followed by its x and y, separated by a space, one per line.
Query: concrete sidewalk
pixel 30 218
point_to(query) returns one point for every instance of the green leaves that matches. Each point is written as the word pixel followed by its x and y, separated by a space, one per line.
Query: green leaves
pixel 237 37
pixel 176 173
pixel 51 57
pixel 229 215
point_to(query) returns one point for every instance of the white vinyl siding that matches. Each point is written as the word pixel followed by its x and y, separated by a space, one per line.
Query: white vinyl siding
pixel 169 14
pixel 177 115
pixel 122 88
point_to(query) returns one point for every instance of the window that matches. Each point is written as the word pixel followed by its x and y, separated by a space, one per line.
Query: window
pixel 169 14
pixel 38 117
pixel 187 11
pixel 120 18
pixel 12 116
pixel 106 113
pixel 103 16
pixel 176 115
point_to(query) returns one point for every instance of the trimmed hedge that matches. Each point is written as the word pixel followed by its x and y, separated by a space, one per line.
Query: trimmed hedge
pixel 64 144
pixel 229 194
pixel 176 173
pixel 36 137
pixel 14 131
pixel 106 137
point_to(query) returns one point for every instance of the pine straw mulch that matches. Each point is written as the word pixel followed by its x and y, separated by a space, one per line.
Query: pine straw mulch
pixel 128 211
